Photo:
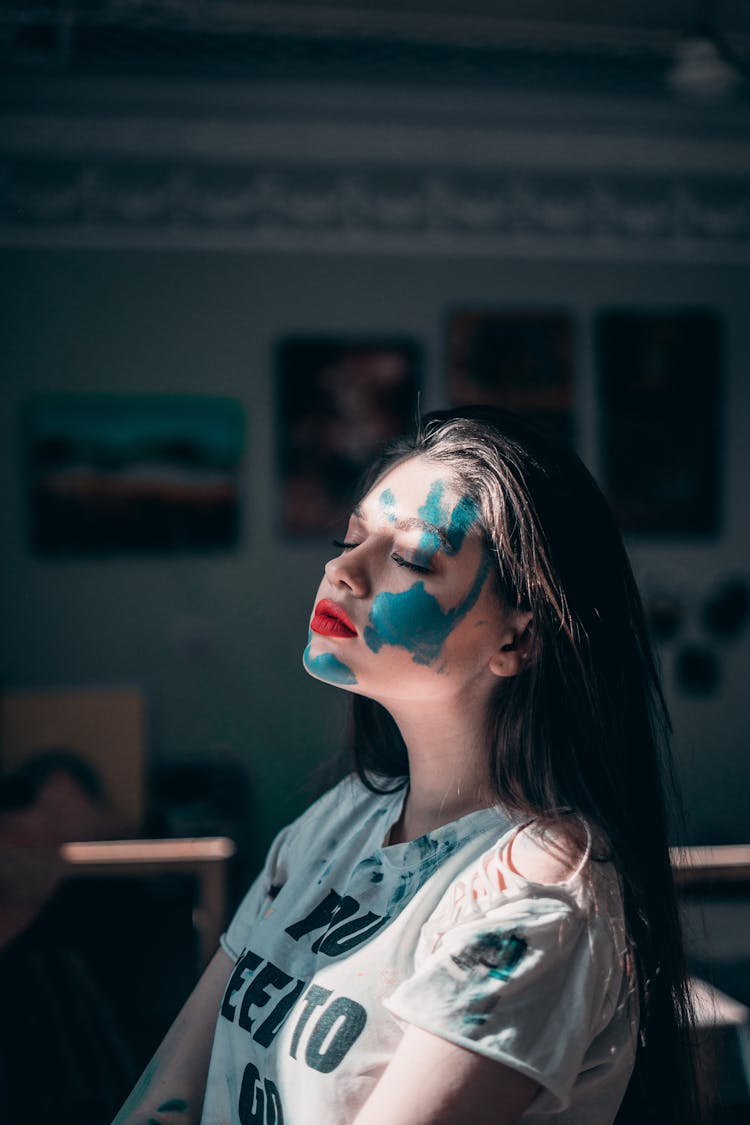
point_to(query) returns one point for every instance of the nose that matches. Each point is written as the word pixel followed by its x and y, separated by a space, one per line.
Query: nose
pixel 348 571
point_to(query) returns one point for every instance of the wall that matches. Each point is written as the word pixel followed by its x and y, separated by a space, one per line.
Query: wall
pixel 216 641
pixel 164 244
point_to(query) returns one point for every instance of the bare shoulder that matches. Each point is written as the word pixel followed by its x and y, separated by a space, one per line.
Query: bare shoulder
pixel 549 854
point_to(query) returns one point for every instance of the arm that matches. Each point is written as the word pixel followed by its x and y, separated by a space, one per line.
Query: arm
pixel 171 1089
pixel 430 1081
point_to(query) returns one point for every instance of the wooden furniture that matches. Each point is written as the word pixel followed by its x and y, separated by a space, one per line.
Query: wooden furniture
pixel 720 867
pixel 204 858
pixel 105 727
pixel 713 883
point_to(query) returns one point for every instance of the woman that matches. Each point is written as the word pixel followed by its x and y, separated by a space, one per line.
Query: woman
pixel 480 926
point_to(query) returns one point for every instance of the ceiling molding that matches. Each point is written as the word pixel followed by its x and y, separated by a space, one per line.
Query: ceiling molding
pixel 300 209
pixel 274 169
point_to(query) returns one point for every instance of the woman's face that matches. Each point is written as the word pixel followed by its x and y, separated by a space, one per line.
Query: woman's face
pixel 408 611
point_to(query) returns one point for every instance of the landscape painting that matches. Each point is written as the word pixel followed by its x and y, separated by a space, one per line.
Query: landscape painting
pixel 132 473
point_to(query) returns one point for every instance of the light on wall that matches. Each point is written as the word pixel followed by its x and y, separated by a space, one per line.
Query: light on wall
pixel 704 65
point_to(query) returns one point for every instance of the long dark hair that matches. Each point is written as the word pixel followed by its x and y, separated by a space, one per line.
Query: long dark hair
pixel 584 729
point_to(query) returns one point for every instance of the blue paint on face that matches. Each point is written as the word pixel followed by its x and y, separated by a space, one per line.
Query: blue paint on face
pixel 456 524
pixel 463 518
pixel 415 620
pixel 388 504
pixel 326 666
pixel 432 511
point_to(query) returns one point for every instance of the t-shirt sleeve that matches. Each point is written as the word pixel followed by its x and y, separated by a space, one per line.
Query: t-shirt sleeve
pixel 262 892
pixel 522 984
pixel 289 848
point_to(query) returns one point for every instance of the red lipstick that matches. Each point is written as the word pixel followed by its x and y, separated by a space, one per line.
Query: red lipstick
pixel 330 620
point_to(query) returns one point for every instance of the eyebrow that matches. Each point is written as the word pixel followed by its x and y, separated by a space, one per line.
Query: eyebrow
pixel 414 522
pixel 425 525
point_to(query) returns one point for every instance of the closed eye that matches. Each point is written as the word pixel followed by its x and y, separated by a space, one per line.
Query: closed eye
pixel 399 561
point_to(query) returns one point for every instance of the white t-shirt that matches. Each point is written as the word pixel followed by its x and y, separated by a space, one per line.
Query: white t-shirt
pixel 341 942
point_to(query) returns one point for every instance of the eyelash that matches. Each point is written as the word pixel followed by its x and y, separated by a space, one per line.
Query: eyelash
pixel 399 561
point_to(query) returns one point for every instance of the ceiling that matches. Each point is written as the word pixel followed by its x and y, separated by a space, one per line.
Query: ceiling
pixel 626 48
pixel 211 34
pixel 129 118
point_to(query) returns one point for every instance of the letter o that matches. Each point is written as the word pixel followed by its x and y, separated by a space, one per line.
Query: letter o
pixel 354 1019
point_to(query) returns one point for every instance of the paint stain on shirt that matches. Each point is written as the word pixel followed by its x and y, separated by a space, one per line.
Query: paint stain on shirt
pixel 496 953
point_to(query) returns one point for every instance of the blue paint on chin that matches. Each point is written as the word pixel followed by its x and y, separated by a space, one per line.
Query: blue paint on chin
pixel 325 666
pixel 415 620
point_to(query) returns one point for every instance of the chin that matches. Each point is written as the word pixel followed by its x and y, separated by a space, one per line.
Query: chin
pixel 328 668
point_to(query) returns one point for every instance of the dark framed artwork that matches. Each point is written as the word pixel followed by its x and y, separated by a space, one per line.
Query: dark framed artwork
pixel 660 393
pixel 338 401
pixel 518 359
pixel 122 473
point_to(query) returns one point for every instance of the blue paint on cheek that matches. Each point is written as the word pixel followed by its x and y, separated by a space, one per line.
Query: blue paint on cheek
pixel 388 504
pixel 414 619
pixel 326 666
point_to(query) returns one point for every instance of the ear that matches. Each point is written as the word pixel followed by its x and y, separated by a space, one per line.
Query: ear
pixel 511 657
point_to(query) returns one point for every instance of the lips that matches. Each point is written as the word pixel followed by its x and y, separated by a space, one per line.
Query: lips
pixel 330 620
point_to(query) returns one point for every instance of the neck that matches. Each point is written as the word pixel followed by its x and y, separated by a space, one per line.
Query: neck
pixel 448 771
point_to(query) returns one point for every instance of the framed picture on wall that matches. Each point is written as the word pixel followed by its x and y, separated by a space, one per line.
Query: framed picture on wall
pixel 122 473
pixel 518 359
pixel 660 393
pixel 338 400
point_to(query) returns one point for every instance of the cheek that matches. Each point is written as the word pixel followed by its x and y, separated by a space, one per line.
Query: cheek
pixel 412 620
pixel 415 620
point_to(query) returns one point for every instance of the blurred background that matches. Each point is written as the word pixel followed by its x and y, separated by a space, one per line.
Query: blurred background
pixel 240 244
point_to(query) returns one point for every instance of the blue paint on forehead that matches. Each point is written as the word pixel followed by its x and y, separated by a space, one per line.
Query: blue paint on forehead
pixel 463 518
pixel 415 620
pixel 454 525
pixel 388 504
pixel 432 511
pixel 326 666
